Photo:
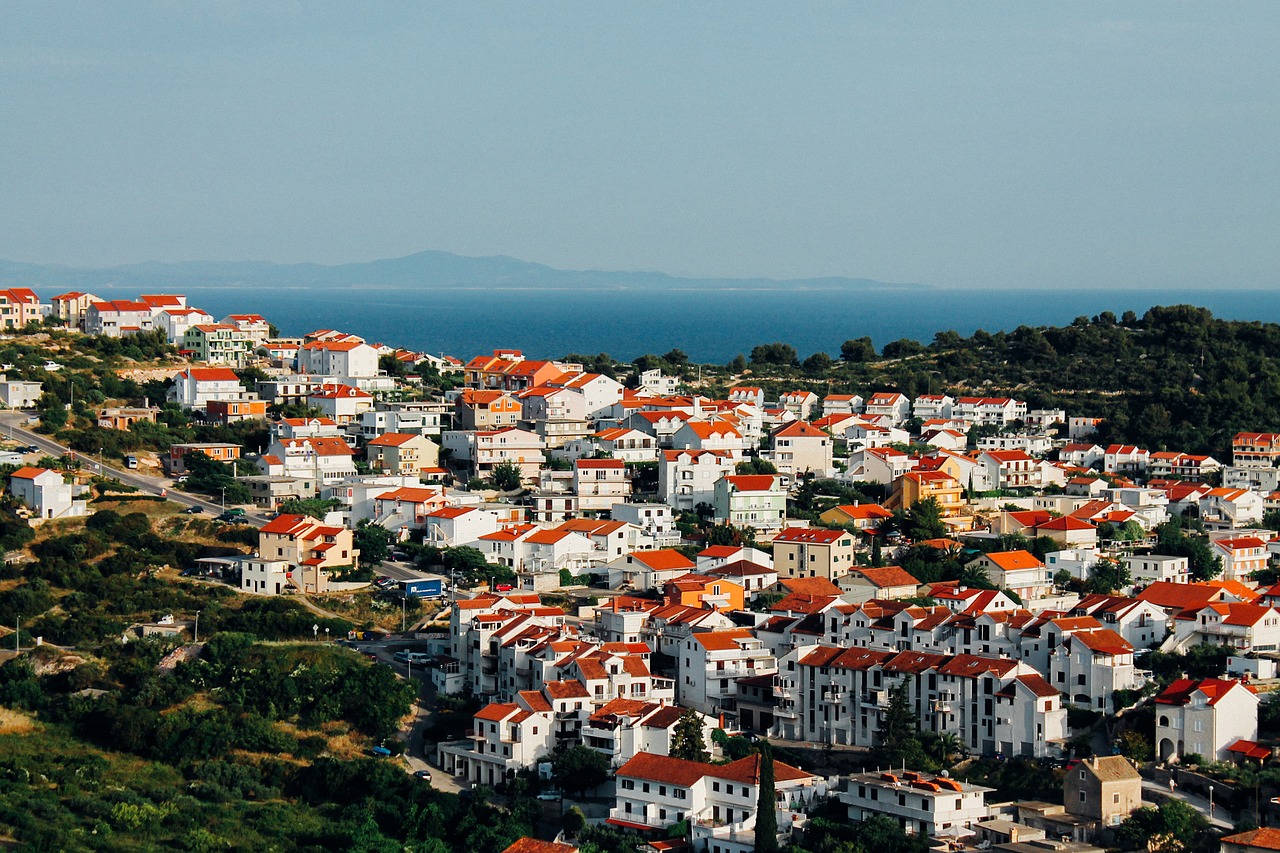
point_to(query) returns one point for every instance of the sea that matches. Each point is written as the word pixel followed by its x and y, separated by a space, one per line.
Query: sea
pixel 708 326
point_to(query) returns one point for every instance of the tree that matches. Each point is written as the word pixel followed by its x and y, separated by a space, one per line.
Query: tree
pixel 507 476
pixel 1174 827
pixel 924 520
pixel 1172 541
pixel 766 805
pixel 898 734
pixel 579 768
pixel 775 353
pixel 858 350
pixel 374 543
pixel 686 740
pixel 817 364
pixel 573 822
pixel 1107 576
pixel 755 465
pixel 903 348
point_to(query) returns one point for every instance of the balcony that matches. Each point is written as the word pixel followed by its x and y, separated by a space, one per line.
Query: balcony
pixel 834 695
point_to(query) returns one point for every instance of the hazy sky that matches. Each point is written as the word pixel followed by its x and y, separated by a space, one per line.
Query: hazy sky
pixel 1071 144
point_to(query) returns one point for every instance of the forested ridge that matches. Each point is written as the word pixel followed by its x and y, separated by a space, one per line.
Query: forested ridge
pixel 1176 378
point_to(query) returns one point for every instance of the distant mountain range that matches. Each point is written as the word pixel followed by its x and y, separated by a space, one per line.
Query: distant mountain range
pixel 424 270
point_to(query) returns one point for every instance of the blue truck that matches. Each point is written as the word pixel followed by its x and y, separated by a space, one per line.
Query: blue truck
pixel 422 588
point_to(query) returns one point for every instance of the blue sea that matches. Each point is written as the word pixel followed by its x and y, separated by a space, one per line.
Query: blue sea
pixel 708 326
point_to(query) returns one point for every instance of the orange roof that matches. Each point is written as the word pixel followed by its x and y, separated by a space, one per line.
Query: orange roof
pixel 811 586
pixel 288 525
pixel 721 641
pixel 800 429
pixel 1244 593
pixel 1011 561
pixel 887 576
pixel 497 711
pixel 1180 691
pixel 865 510
pixel 28 472
pixel 664 559
pixel 392 439
pixel 1265 838
pixel 752 482
pixel 409 493
pixel 210 374
pixel 811 535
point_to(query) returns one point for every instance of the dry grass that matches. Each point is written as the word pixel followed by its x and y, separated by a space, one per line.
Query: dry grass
pixel 15 722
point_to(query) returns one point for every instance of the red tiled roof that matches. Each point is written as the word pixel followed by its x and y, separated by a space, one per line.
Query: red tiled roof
pixel 1181 691
pixel 817 535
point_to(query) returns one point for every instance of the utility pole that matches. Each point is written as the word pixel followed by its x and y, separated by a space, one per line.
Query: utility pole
pixel 17 634
pixel 195 634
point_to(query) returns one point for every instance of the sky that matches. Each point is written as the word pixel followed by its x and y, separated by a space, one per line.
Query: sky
pixel 1091 145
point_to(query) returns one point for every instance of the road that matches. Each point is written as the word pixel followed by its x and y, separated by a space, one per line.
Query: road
pixel 414 733
pixel 15 425
pixel 1221 817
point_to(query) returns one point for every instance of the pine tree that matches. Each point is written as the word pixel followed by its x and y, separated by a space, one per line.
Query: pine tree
pixel 766 805
pixel 687 741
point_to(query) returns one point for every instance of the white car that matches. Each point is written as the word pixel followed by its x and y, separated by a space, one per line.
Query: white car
pixel 52 366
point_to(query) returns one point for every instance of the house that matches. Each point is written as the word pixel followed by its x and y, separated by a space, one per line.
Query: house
pixel 709 664
pixel 117 318
pixel 629 445
pixel 800 448
pixel 885 582
pixel 175 460
pixel 912 487
pixel 323 461
pixel 1107 789
pixel 175 322
pixel 709 435
pixel 1090 664
pixel 195 387
pixel 752 577
pixel 654 520
pixel 600 484
pixel 929 406
pixel 557 413
pixel 217 343
pixel 1228 508
pixel 842 404
pixel 800 403
pixel 122 418
pixel 71 307
pixel 1082 455
pixel 1244 627
pixel 402 453
pixel 341 403
pixel 45 493
pixel 877 465
pixel 1147 569
pixel 893 407
pixel 862 517
pixel 1141 623
pixel 485 410
pixel 312 549
pixel 17 394
pixel 406 507
pixel 747 394
pixel 648 570
pixel 1017 571
pixel 1253 841
pixel 342 359
pixel 457 526
pixel 518 447
pixel 1241 556
pixel 1008 469
pixel 537 845
pixel 921 803
pixel 989 411
pixel 687 478
pixel 1125 459
pixel 1204 718
pixel 803 552
pixel 719 801
pixel 755 501
pixel 233 411
pixel 695 590
pixel 945 439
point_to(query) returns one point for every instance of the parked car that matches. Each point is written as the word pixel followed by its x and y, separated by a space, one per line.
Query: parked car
pixel 381 752
pixel 425 775
pixel 403 657
pixel 194 510
pixel 550 794
pixel 371 656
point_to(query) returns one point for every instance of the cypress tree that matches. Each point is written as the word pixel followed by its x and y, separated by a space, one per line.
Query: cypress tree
pixel 766 805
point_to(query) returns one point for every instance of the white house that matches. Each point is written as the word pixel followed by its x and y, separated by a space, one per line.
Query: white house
pixel 1204 717
pixel 45 493
pixel 195 387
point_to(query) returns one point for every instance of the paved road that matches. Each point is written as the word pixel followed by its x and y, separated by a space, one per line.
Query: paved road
pixel 1221 818
pixel 15 424
pixel 414 733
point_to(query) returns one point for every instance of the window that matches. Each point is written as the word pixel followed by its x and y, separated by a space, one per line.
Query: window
pixel 1115 799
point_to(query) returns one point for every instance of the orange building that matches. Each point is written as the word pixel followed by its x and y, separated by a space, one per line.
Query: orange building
pixel 694 590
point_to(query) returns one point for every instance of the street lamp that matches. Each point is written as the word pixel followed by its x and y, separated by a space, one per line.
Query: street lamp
pixel 224 498
pixel 17 634
pixel 195 634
